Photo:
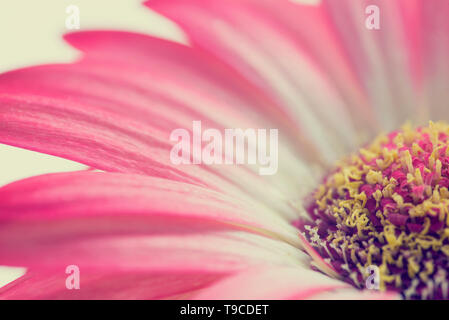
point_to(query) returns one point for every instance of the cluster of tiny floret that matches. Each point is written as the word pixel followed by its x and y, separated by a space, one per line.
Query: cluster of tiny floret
pixel 388 206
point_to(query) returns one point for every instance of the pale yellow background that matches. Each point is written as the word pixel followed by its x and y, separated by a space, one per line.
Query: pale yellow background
pixel 30 33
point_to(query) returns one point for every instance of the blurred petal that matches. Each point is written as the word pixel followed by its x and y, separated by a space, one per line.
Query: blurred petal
pixel 289 61
pixel 278 283
pixel 385 60
pixel 381 77
pixel 433 46
pixel 353 294
pixel 115 113
pixel 135 222
pixel 272 283
pixel 106 284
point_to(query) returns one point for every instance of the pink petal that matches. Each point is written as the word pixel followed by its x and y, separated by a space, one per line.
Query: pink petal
pixel 385 60
pixel 136 223
pixel 110 113
pixel 206 85
pixel 298 60
pixel 107 284
pixel 352 294
pixel 279 283
pixel 195 71
pixel 382 76
pixel 433 46
pixel 272 283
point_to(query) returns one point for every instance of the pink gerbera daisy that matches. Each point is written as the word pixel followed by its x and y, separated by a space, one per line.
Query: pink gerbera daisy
pixel 141 227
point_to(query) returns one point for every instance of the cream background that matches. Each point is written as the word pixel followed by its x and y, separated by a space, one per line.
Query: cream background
pixel 30 33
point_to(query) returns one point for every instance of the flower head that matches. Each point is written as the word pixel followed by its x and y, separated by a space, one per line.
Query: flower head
pixel 387 206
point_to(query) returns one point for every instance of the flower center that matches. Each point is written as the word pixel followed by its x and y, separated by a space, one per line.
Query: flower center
pixel 387 207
